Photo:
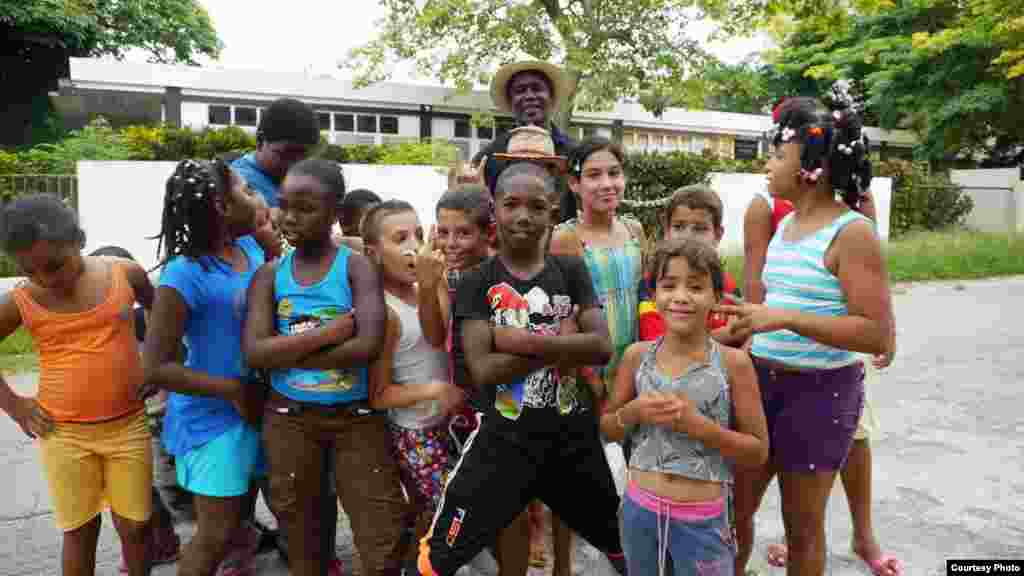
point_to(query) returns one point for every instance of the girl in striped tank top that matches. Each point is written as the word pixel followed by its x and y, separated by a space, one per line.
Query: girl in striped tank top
pixel 827 299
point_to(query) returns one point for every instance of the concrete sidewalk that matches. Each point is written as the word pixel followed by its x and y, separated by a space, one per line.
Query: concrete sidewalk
pixel 949 466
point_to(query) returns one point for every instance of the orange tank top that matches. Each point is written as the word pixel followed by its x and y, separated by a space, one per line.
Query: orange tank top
pixel 89 365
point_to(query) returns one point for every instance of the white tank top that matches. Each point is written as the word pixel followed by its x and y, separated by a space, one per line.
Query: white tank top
pixel 416 362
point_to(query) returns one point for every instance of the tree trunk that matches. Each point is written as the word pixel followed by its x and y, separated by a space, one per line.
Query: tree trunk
pixel 29 71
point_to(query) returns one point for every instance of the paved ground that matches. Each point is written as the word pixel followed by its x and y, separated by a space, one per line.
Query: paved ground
pixel 949 469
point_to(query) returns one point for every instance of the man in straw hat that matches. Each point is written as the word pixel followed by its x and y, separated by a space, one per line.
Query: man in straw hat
pixel 531 91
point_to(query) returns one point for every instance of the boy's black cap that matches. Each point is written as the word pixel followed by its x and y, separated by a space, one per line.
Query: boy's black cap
pixel 289 120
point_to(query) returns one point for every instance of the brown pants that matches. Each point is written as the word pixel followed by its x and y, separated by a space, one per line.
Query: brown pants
pixel 296 436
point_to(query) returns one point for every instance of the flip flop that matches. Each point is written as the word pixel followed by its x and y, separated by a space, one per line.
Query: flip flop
pixel 884 565
pixel 776 555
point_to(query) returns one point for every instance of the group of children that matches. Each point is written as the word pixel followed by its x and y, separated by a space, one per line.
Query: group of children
pixel 450 380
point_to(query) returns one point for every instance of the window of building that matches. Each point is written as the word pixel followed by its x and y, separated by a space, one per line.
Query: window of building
pixel 462 129
pixel 389 124
pixel 745 149
pixel 367 124
pixel 220 115
pixel 324 118
pixel 245 116
pixel 344 123
pixel 485 132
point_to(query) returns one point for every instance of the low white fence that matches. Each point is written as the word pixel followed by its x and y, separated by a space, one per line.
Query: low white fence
pixel 998 196
pixel 120 203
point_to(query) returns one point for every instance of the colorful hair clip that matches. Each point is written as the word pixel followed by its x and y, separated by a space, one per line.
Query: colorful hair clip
pixel 810 175
pixel 815 131
pixel 786 134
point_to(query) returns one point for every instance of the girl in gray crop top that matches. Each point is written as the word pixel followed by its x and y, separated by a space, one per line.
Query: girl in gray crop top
pixel 692 411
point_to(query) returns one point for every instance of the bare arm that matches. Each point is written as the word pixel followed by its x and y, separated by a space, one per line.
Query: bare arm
pixel 867 206
pixel 591 347
pixel 140 283
pixel 564 243
pixel 864 280
pixel 24 410
pixel 368 301
pixel 856 257
pixel 267 350
pixel 757 233
pixel 383 391
pixel 161 363
pixel 432 308
pixel 622 394
pixel 747 445
pixel 488 367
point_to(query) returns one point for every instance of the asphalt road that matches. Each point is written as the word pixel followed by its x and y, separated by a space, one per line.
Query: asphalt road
pixel 949 464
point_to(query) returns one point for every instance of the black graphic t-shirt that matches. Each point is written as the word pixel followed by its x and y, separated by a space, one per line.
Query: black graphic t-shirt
pixel 489 292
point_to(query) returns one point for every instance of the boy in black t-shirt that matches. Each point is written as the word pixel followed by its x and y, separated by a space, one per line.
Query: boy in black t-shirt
pixel 528 321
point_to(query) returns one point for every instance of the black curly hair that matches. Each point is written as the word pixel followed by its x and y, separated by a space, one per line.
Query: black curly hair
pixel 832 141
pixel 38 217
pixel 190 218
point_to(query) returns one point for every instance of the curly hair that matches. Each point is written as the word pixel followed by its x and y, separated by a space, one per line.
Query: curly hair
pixel 831 141
pixel 473 200
pixel 699 256
pixel 38 217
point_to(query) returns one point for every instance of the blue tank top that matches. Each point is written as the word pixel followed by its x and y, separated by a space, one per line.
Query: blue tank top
pixel 301 308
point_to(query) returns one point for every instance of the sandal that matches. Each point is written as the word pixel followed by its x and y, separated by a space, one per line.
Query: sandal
pixel 884 565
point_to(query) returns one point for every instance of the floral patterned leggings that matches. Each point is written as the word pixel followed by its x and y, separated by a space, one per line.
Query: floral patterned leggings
pixel 424 457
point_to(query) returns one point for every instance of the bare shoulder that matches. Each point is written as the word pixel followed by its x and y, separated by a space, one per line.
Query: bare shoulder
pixel 735 359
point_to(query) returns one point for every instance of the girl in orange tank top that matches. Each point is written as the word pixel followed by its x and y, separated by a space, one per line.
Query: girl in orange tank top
pixel 88 415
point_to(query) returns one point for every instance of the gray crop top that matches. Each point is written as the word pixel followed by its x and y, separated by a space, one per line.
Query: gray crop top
pixel 657 449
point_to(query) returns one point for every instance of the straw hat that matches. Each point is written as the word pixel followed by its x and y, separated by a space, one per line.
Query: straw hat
pixel 533 144
pixel 561 85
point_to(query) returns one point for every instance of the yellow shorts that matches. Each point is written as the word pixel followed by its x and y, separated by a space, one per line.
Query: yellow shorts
pixel 868 425
pixel 90 467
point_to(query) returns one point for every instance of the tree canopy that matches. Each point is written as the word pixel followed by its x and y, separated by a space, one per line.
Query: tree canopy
pixel 40 35
pixel 614 48
pixel 952 71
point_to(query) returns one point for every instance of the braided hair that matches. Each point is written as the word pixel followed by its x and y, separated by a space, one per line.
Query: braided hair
pixel 190 218
pixel 831 140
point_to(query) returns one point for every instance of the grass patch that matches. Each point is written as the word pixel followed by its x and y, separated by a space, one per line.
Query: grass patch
pixel 17 353
pixel 949 255
pixel 954 255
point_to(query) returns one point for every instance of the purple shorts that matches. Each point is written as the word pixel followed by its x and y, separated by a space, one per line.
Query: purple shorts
pixel 812 415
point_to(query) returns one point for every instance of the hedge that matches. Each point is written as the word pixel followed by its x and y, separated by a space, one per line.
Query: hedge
pixel 921 200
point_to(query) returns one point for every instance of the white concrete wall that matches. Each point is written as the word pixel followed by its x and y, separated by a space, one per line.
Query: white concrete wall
pixel 998 196
pixel 194 115
pixel 442 128
pixel 409 126
pixel 120 203
pixel 737 191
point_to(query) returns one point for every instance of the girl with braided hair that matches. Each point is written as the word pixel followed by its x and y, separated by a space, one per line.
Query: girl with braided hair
pixel 827 299
pixel 209 260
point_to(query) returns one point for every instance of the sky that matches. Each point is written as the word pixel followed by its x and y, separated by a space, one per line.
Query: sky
pixel 314 35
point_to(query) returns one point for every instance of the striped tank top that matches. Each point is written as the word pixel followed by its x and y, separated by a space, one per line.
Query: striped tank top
pixel 795 278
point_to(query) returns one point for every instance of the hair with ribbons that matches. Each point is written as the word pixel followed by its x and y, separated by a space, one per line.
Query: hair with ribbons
pixel 831 141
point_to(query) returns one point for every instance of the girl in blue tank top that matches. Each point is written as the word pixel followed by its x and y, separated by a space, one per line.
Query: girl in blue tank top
pixel 316 321
pixel 827 298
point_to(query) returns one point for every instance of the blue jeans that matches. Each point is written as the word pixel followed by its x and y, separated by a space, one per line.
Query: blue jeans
pixel 695 548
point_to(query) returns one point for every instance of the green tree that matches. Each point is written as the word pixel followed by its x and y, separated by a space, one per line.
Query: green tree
pixel 612 48
pixel 950 70
pixel 40 35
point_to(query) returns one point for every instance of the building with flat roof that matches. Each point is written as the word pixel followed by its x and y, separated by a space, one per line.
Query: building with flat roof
pixel 200 97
